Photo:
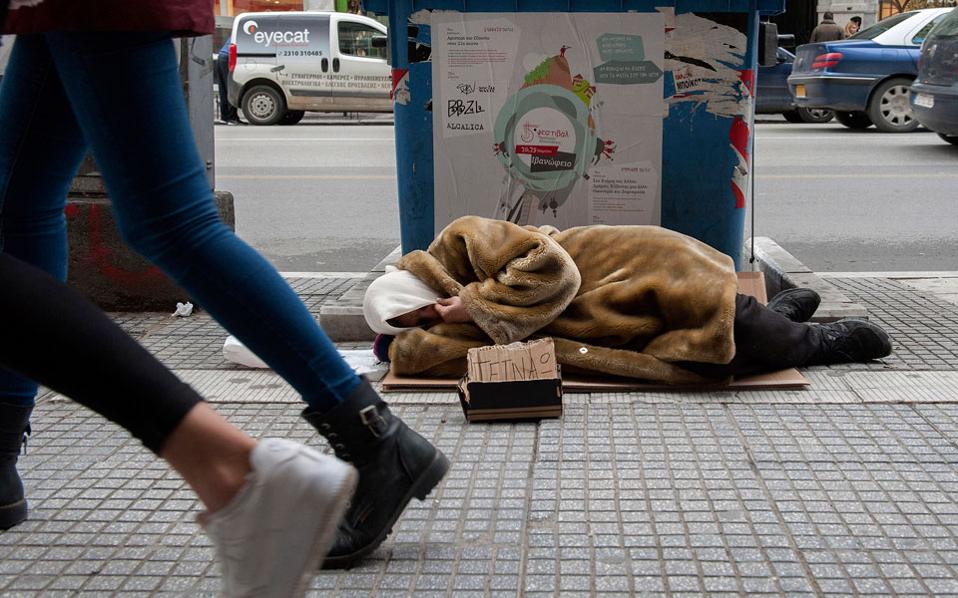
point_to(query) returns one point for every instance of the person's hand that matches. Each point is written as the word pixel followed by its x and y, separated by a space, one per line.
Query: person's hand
pixel 452 310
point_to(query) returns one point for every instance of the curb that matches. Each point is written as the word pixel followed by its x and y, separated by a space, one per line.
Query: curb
pixel 343 320
pixel 783 271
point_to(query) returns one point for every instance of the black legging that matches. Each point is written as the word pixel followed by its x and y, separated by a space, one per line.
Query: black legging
pixel 765 341
pixel 49 333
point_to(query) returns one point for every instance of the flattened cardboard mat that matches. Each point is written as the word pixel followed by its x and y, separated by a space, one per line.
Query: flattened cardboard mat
pixel 750 283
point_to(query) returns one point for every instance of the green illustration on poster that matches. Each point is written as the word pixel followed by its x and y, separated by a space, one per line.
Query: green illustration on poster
pixel 545 114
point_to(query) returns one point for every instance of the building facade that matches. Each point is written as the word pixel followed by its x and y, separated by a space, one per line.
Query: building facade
pixel 844 10
pixel 229 8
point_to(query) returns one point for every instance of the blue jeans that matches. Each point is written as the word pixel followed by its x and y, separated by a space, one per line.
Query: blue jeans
pixel 120 95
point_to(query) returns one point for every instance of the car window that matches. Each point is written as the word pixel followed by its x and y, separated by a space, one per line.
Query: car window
pixel 948 25
pixel 883 26
pixel 356 39
pixel 923 32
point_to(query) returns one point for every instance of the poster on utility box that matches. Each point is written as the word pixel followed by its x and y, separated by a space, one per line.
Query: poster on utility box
pixel 548 118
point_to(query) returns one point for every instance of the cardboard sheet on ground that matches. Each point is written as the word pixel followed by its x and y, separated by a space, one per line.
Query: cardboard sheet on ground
pixel 750 283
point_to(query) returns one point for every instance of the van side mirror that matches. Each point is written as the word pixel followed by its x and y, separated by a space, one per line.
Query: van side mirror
pixel 379 41
pixel 767 44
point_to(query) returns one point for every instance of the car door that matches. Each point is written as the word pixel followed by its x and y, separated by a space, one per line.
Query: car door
pixel 360 73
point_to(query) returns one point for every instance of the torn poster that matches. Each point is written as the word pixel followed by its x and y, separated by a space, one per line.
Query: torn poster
pixel 706 59
pixel 548 118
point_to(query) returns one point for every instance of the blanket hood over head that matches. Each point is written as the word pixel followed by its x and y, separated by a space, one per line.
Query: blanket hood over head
pixel 393 294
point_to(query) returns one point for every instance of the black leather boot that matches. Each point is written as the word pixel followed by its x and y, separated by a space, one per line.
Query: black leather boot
pixel 850 340
pixel 394 463
pixel 798 305
pixel 14 429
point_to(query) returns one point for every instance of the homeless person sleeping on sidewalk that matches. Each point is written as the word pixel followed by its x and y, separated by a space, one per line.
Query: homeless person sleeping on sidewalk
pixel 635 301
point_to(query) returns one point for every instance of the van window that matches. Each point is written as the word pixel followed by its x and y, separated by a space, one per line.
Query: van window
pixel 356 39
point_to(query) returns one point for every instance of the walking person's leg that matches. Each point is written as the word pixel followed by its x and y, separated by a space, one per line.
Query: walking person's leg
pixel 165 210
pixel 41 147
pixel 272 507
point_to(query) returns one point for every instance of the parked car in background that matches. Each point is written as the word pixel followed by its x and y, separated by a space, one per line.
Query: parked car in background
pixel 865 79
pixel 934 94
pixel 773 97
pixel 283 64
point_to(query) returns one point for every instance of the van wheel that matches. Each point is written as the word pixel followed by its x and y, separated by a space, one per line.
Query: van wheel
pixel 263 105
pixel 292 117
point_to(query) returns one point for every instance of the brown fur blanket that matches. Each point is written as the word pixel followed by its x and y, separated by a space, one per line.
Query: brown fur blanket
pixel 621 300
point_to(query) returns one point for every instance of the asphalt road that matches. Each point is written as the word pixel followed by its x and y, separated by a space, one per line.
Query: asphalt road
pixel 850 201
pixel 315 197
pixel 321 196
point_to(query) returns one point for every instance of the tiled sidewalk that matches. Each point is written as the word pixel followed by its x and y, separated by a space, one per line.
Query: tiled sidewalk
pixel 847 488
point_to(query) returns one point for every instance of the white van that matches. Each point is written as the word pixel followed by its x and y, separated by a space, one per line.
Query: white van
pixel 285 63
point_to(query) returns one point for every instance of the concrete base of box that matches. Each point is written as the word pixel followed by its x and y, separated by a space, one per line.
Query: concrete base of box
pixel 107 271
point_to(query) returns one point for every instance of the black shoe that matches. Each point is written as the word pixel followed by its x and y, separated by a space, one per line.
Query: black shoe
pixel 798 305
pixel 395 464
pixel 14 428
pixel 847 341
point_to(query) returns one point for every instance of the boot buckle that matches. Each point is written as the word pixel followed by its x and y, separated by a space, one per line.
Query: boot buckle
pixel 372 420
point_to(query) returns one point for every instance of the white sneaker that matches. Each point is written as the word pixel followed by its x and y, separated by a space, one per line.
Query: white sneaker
pixel 272 537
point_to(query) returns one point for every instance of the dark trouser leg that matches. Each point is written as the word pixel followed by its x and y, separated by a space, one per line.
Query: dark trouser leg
pixel 55 336
pixel 227 111
pixel 51 334
pixel 765 341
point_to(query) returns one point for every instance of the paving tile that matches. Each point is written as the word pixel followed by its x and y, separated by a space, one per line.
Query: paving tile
pixel 848 488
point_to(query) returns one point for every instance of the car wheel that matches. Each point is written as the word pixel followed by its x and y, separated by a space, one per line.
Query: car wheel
pixel 292 117
pixel 792 116
pixel 263 105
pixel 815 115
pixel 889 107
pixel 854 120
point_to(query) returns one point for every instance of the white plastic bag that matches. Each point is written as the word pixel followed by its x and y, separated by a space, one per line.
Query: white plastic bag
pixel 235 351
pixel 361 360
pixel 183 310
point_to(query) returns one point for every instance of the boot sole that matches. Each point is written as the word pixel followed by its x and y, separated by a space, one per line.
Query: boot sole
pixel 419 489
pixel 13 514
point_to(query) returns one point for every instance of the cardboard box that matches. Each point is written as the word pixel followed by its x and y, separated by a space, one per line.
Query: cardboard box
pixel 510 382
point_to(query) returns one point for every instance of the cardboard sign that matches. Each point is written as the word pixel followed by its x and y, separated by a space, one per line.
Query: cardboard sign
pixel 517 362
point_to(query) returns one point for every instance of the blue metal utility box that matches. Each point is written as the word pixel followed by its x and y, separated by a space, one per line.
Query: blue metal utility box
pixel 702 124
